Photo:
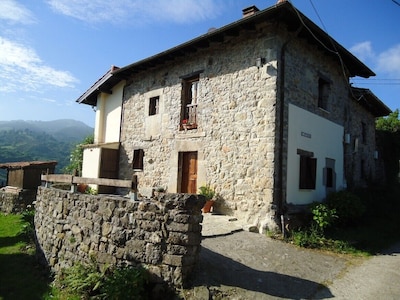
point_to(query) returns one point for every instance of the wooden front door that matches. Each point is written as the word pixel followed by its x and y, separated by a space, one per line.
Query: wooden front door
pixel 188 164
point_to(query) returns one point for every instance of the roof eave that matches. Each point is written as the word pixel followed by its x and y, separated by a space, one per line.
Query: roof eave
pixel 284 11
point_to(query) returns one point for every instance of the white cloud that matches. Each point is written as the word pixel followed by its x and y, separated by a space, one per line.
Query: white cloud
pixel 22 69
pixel 14 12
pixel 389 61
pixel 137 11
pixel 363 50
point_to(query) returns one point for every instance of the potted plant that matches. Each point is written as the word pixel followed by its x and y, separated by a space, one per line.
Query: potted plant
pixel 209 193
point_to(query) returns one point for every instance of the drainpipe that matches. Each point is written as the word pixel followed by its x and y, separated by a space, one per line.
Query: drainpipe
pixel 281 107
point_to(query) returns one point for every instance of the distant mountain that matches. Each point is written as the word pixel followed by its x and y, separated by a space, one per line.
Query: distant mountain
pixel 40 140
pixel 66 130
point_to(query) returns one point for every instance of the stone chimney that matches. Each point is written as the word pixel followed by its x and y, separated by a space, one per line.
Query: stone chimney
pixel 249 11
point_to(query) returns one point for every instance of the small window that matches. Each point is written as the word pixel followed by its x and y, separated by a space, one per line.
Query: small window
pixel 154 103
pixel 323 93
pixel 138 159
pixel 329 175
pixel 363 171
pixel 308 171
pixel 363 133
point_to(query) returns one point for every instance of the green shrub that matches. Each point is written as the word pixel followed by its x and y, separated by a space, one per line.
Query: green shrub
pixel 323 216
pixel 84 280
pixel 90 281
pixel 349 208
pixel 307 238
pixel 126 283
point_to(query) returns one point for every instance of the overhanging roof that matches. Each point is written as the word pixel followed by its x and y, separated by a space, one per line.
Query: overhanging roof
pixel 371 102
pixel 28 164
pixel 283 12
pixel 104 84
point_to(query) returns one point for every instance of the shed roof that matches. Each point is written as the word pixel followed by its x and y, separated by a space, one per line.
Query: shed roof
pixel 27 164
pixel 282 12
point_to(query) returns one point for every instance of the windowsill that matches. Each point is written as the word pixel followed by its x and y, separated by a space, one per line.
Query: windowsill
pixel 324 110
pixel 190 134
pixel 188 126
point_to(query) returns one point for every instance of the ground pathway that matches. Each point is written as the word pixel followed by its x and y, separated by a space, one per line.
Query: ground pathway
pixel 237 264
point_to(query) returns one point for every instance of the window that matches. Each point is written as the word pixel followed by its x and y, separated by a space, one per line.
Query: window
pixel 154 103
pixel 138 159
pixel 190 93
pixel 329 174
pixel 363 133
pixel 363 171
pixel 323 93
pixel 308 170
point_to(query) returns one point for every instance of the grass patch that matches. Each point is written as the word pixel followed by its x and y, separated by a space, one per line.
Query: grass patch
pixel 20 275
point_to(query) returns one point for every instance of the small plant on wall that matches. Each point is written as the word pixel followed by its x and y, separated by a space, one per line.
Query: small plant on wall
pixel 209 193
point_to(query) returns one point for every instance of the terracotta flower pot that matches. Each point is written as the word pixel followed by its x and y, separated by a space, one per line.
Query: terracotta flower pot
pixel 208 206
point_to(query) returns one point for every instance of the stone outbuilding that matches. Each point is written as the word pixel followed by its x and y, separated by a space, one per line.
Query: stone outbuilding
pixel 23 179
pixel 261 109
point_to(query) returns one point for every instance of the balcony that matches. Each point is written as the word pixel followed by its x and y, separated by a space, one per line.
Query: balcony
pixel 190 122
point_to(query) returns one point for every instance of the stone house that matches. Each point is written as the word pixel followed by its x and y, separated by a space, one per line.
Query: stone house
pixel 261 109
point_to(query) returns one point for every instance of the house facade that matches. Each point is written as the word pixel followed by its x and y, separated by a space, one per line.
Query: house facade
pixel 261 110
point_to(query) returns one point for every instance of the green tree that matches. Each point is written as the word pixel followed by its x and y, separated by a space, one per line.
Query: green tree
pixel 76 157
pixel 390 123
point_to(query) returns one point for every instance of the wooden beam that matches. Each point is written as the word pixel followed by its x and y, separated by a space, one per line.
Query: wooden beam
pixel 57 178
pixel 103 181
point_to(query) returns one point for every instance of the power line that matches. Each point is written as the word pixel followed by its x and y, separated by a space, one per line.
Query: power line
pixel 396 2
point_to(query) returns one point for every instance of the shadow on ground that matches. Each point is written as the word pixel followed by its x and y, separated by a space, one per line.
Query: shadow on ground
pixel 21 277
pixel 216 271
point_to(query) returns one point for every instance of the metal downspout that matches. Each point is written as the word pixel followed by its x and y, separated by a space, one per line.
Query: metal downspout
pixel 281 104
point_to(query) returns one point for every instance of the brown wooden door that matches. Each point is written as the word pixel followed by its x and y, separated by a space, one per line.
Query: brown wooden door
pixel 189 172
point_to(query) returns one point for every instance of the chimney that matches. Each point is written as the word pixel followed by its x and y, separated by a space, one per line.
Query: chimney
pixel 249 11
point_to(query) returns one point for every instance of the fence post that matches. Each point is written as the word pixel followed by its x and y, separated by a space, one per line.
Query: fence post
pixel 74 187
pixel 134 185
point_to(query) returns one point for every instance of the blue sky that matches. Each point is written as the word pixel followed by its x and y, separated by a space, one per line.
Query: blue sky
pixel 51 51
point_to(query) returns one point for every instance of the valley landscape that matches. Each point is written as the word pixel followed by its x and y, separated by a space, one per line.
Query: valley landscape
pixel 40 140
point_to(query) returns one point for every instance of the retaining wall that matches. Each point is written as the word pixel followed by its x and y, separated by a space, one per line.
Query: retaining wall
pixel 162 233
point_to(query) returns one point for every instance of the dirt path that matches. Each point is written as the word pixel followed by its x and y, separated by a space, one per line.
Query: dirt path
pixel 376 278
pixel 246 265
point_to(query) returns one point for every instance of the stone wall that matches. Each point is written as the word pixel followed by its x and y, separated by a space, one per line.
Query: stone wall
pixel 16 200
pixel 163 233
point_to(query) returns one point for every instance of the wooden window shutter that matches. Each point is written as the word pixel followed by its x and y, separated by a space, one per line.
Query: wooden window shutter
pixel 138 159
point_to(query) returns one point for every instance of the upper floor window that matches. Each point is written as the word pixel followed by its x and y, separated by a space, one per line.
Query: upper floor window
pixel 190 94
pixel 323 93
pixel 154 105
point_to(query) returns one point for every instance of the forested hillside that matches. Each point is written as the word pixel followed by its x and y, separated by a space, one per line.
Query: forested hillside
pixel 38 140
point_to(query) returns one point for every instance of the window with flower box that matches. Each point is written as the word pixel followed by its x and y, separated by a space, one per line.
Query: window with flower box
pixel 190 94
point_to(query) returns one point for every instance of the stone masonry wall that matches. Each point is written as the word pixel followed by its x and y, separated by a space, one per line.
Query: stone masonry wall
pixel 162 233
pixel 236 116
pixel 16 201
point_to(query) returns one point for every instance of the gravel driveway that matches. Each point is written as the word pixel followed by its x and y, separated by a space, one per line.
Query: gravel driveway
pixel 245 265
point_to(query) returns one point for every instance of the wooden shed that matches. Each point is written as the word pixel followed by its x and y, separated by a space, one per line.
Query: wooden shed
pixel 26 175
